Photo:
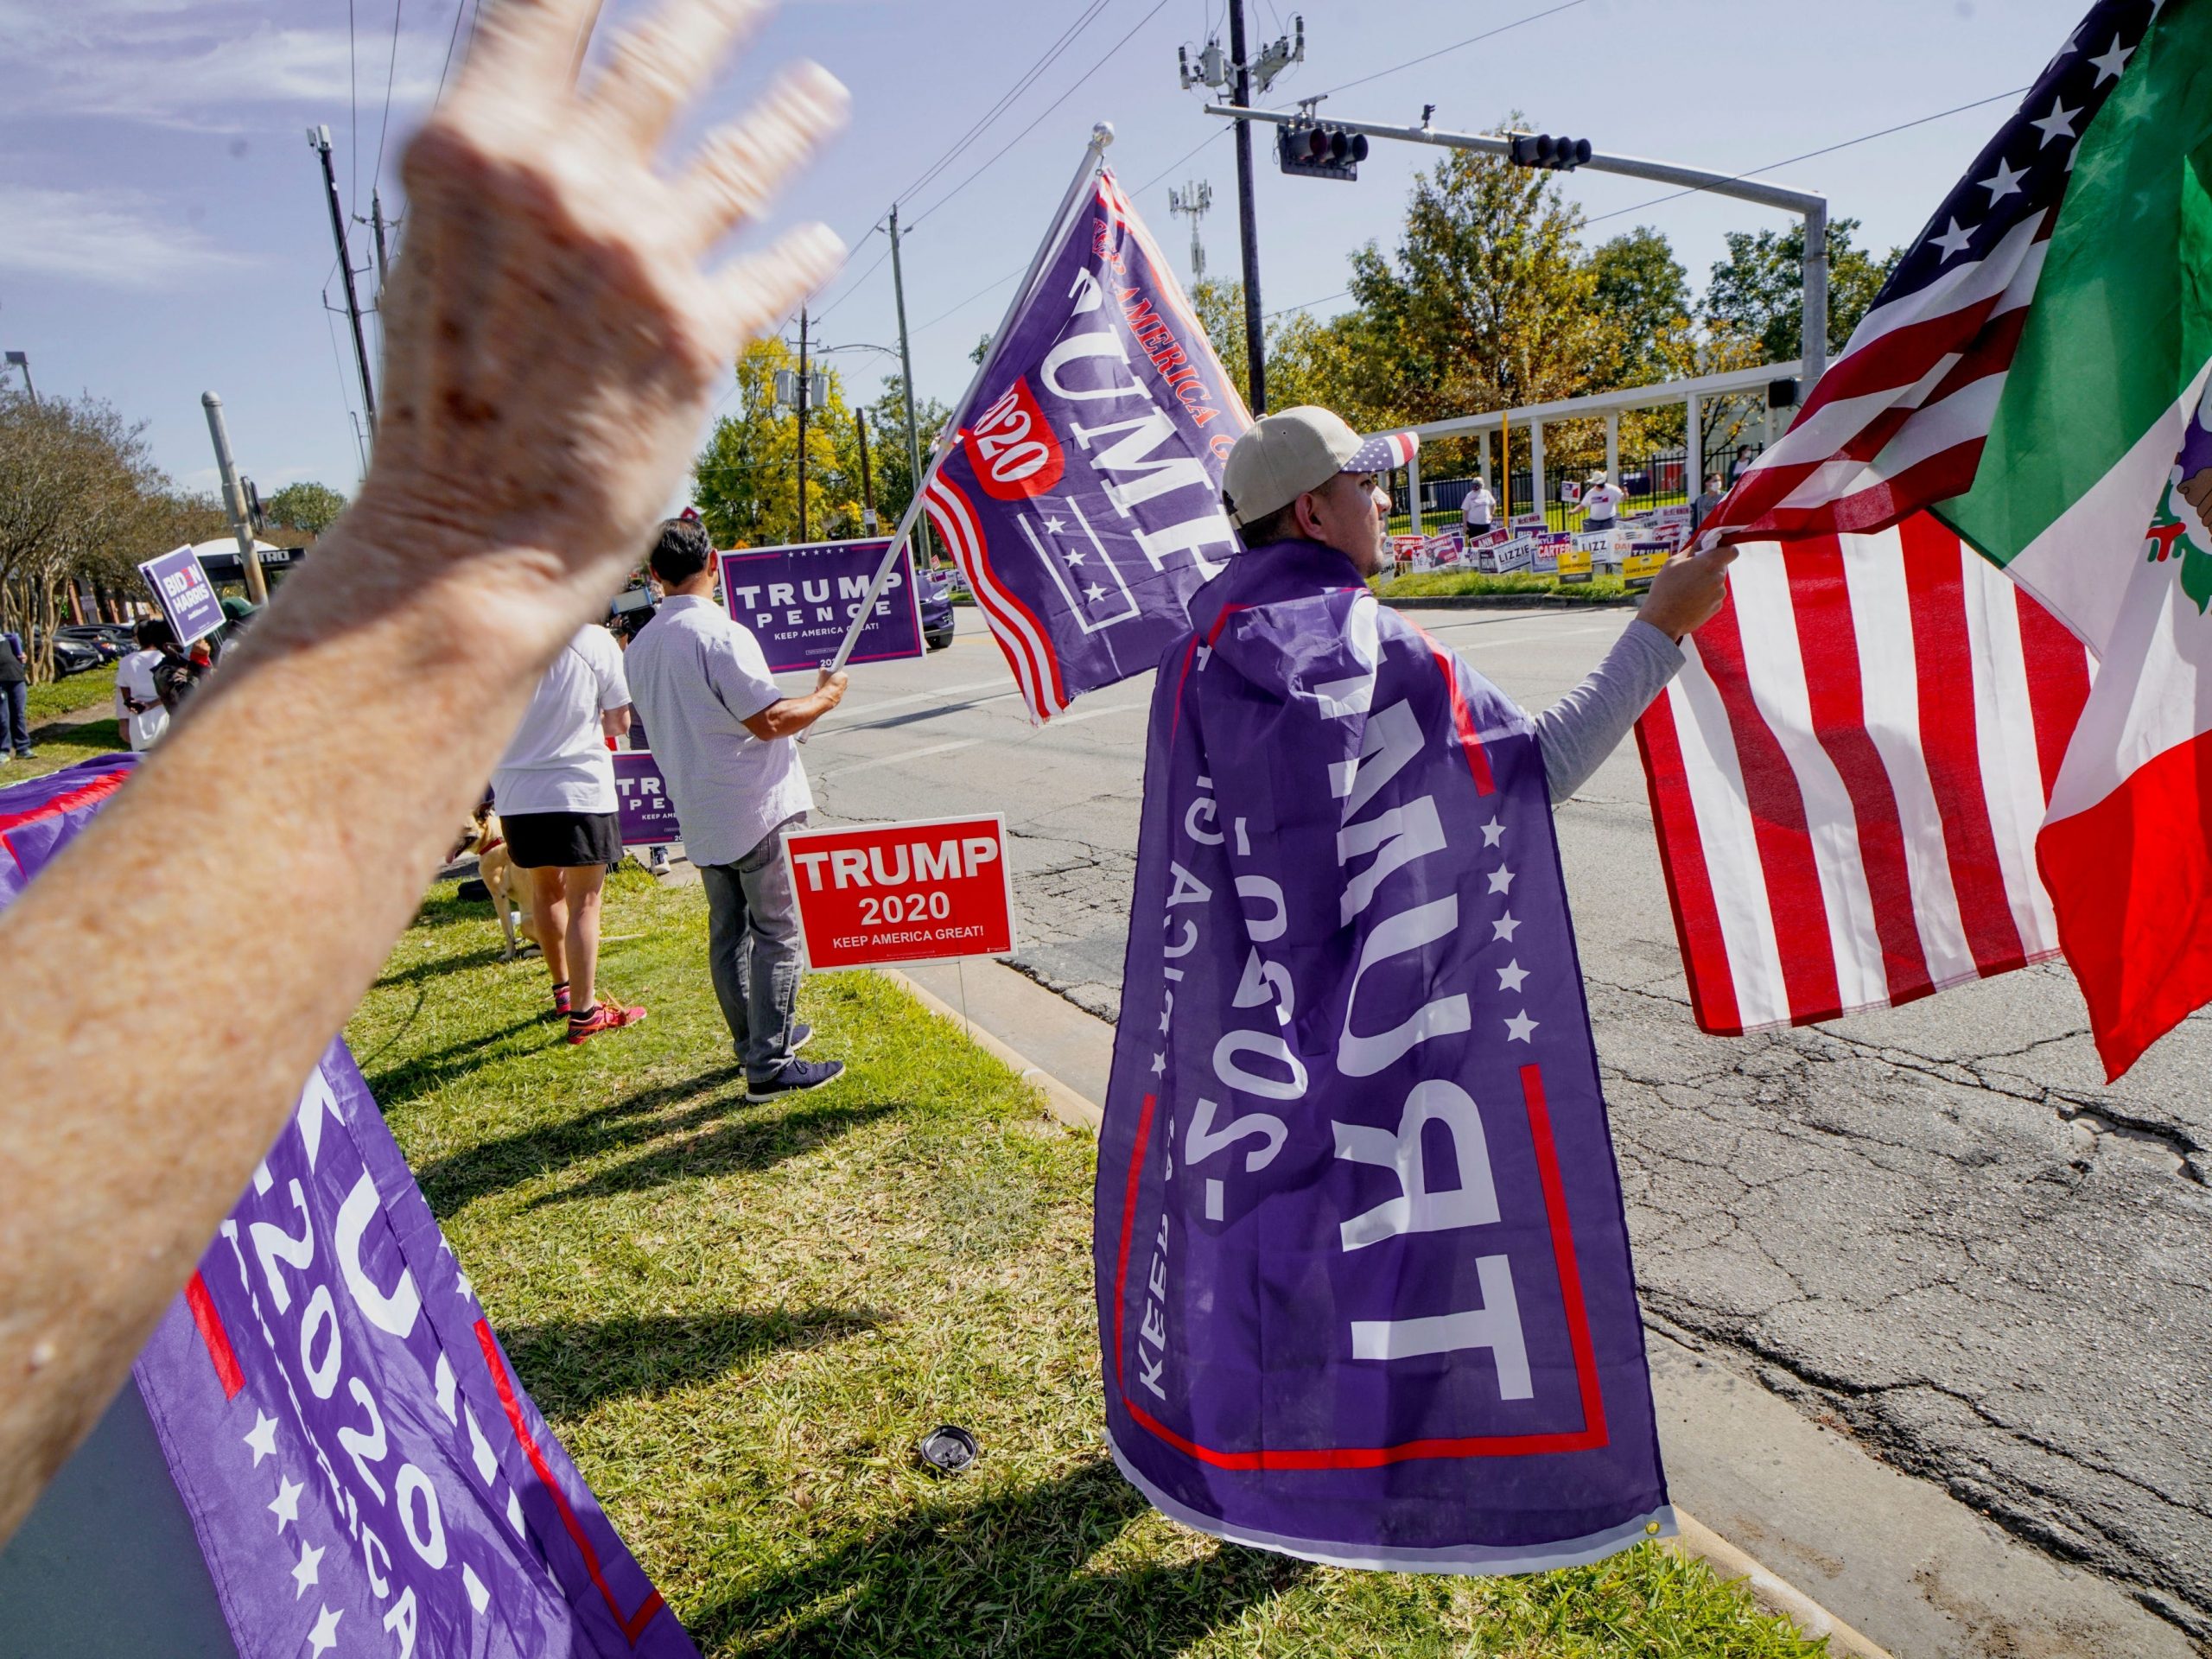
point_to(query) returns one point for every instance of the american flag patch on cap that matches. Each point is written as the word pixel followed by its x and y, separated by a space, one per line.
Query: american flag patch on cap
pixel 1383 452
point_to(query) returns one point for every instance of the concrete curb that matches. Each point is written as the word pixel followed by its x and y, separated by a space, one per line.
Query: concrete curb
pixel 1770 1589
pixel 1064 1102
pixel 1510 603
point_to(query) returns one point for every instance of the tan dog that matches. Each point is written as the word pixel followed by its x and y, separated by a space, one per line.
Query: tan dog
pixel 508 882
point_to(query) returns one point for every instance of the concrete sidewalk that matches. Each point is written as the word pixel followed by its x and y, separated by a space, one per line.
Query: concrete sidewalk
pixel 1920 1573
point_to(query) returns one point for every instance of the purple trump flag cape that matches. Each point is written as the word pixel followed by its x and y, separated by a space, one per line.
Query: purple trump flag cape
pixel 1082 494
pixel 1365 1292
pixel 363 1470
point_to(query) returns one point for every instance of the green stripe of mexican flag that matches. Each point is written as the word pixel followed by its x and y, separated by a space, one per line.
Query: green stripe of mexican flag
pixel 2081 496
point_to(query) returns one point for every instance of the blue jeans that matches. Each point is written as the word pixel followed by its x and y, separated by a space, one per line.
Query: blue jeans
pixel 752 948
pixel 14 718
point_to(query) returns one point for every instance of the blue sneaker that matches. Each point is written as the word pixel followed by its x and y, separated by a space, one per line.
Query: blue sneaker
pixel 802 1034
pixel 795 1077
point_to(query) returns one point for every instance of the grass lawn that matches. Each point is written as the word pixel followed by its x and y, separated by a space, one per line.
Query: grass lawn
pixel 94 689
pixel 1429 584
pixel 63 743
pixel 740 1318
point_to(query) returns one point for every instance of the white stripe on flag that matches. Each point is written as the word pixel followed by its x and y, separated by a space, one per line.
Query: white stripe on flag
pixel 2018 256
pixel 1774 670
pixel 1714 778
pixel 1944 424
pixel 1889 684
pixel 2011 771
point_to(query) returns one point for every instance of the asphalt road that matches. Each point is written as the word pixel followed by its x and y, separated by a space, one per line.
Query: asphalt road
pixel 1933 1226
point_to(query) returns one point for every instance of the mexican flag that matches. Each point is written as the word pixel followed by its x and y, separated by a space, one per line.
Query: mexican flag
pixel 2094 493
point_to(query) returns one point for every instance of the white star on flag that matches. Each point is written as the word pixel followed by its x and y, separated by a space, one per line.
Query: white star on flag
pixel 1163 1022
pixel 2004 181
pixel 1503 928
pixel 1094 592
pixel 1054 526
pixel 1954 241
pixel 1518 1027
pixel 2114 61
pixel 262 1439
pixel 1493 832
pixel 1159 1065
pixel 324 1636
pixel 2059 123
pixel 1511 975
pixel 1501 879
pixel 1073 559
pixel 309 1570
pixel 461 1287
pixel 286 1508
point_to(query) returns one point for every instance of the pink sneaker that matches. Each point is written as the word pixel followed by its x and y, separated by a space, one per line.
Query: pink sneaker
pixel 607 1016
pixel 561 997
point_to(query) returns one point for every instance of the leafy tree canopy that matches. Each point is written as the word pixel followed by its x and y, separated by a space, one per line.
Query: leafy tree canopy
pixel 1758 291
pixel 310 506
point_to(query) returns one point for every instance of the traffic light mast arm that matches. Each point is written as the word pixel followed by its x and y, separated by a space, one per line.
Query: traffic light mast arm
pixel 1813 208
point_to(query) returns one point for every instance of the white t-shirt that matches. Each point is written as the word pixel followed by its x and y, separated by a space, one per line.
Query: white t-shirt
pixel 1602 501
pixel 557 761
pixel 700 676
pixel 134 677
pixel 1480 507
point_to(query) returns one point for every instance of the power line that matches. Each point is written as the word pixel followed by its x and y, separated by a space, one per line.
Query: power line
pixel 452 41
pixel 1225 126
pixel 1021 83
pixel 1487 34
pixel 1309 304
pixel 1158 7
pixel 1830 149
pixel 390 67
pixel 353 104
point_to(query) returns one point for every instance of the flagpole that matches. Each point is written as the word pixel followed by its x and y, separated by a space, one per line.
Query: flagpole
pixel 940 448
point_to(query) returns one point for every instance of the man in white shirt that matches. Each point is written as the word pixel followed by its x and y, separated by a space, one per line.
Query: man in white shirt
pixel 1479 510
pixel 1601 502
pixel 723 734
pixel 138 707
pixel 554 790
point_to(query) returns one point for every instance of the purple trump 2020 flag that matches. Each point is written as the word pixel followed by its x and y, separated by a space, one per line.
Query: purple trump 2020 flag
pixel 363 1470
pixel 1364 1282
pixel 1082 496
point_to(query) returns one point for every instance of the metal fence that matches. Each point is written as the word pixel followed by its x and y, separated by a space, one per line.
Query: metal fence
pixel 1657 480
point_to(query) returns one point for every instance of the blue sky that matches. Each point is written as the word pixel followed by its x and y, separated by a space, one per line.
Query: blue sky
pixel 163 230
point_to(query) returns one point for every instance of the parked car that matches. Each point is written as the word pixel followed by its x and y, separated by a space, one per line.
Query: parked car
pixel 98 636
pixel 935 595
pixel 74 657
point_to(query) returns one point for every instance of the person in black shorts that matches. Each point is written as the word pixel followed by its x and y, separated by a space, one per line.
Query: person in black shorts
pixel 554 789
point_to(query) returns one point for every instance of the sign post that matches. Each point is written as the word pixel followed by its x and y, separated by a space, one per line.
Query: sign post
pixel 922 892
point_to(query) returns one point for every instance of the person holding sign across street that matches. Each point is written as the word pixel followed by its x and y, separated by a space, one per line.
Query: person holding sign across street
pixel 1350 949
pixel 554 790
pixel 1601 502
pixel 725 737
pixel 1480 509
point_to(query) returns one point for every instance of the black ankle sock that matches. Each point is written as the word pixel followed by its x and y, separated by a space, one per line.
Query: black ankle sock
pixel 579 1016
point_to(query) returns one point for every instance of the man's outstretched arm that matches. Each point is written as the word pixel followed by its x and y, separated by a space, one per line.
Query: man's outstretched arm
pixel 555 329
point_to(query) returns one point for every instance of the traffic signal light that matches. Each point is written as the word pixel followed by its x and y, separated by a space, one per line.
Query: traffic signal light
pixel 1320 152
pixel 1541 150
pixel 254 515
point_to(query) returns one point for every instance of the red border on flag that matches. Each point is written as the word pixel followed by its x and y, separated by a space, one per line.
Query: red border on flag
pixel 1593 1434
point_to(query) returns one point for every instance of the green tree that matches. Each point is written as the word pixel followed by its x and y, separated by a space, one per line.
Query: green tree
pixel 886 437
pixel 1643 287
pixel 746 479
pixel 310 506
pixel 1309 360
pixel 1758 291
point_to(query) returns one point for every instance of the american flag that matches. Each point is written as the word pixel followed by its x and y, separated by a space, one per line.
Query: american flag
pixel 1848 775
pixel 1899 420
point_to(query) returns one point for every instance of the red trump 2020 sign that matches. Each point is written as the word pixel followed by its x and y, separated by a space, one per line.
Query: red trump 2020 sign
pixel 885 893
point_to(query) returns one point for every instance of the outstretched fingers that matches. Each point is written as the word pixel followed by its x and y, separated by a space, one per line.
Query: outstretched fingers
pixel 742 165
pixel 528 46
pixel 657 68
pixel 758 290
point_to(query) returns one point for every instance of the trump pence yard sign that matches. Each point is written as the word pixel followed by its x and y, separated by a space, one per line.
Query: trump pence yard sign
pixel 918 892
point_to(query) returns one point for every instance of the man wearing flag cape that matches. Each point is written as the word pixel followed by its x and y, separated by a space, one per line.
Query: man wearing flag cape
pixel 1364 1280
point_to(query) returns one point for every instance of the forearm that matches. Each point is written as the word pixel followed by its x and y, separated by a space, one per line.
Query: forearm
pixel 333 756
pixel 1579 731
pixel 790 715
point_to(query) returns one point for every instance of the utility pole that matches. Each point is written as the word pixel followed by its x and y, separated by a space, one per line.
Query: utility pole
pixel 318 141
pixel 907 376
pixel 257 590
pixel 1247 229
pixel 1541 150
pixel 1193 202
pixel 383 260
pixel 802 422
pixel 868 481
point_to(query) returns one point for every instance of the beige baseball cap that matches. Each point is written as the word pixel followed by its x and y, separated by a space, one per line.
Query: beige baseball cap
pixel 1283 455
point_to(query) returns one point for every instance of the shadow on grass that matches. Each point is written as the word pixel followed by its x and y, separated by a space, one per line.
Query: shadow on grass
pixel 1004 1575
pixel 453 1183
pixel 749 1144
pixel 571 1366
pixel 491 956
pixel 424 1074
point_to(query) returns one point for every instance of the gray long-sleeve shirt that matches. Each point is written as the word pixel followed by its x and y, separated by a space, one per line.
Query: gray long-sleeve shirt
pixel 1580 730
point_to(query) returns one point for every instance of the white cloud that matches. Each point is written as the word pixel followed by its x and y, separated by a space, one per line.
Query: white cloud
pixel 117 238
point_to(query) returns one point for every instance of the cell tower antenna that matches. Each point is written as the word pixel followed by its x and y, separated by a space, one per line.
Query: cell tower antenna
pixel 1194 201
